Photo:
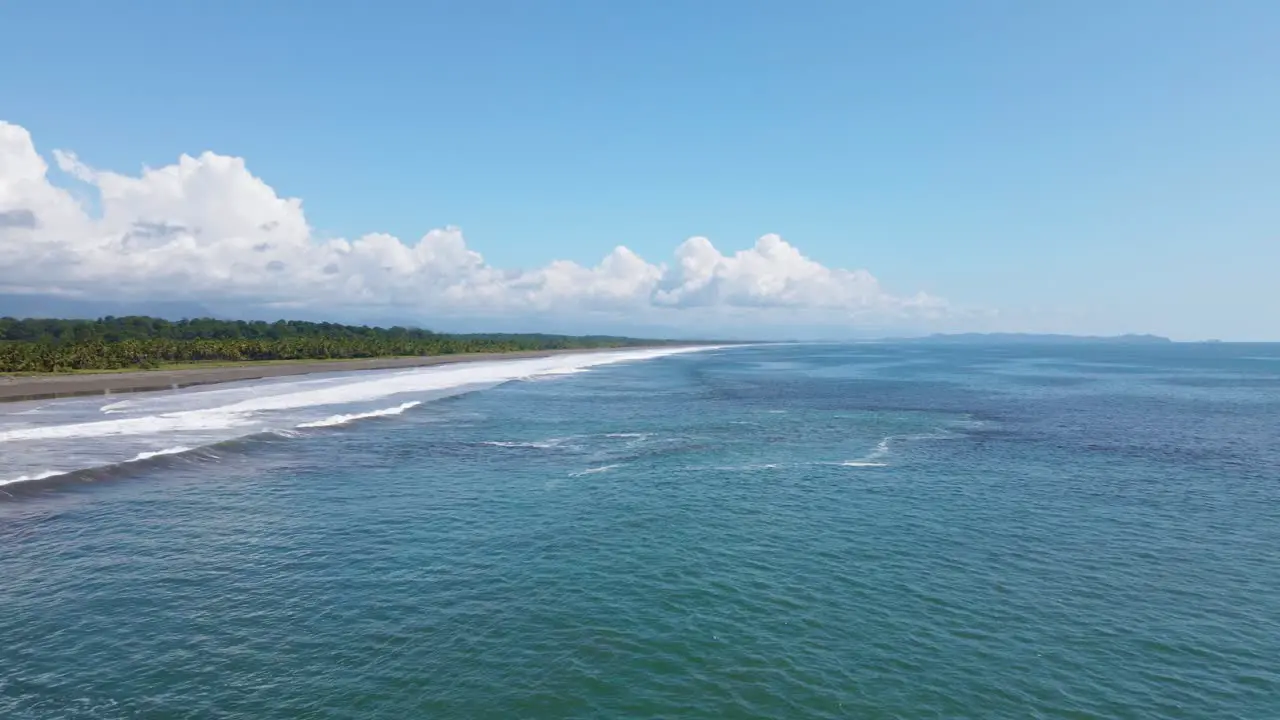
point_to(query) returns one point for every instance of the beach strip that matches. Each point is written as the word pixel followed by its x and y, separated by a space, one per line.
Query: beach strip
pixel 15 388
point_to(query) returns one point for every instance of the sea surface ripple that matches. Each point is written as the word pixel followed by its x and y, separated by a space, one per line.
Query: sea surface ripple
pixel 804 531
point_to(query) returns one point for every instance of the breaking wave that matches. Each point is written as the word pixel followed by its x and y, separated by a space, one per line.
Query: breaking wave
pixel 147 455
pixel 181 420
pixel 334 420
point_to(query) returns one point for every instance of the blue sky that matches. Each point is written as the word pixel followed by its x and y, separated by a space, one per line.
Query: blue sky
pixel 1081 167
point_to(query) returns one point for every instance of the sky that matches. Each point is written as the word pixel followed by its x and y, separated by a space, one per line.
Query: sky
pixel 780 169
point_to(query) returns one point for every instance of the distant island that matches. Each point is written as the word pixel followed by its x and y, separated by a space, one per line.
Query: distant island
pixel 149 343
pixel 1036 338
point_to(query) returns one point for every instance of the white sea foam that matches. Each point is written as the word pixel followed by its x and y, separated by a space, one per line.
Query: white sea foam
pixel 45 475
pixel 334 420
pixel 595 470
pixel 366 386
pixel 33 477
pixel 198 417
pixel 147 425
pixel 558 371
pixel 873 458
pixel 884 447
pixel 881 449
pixel 157 453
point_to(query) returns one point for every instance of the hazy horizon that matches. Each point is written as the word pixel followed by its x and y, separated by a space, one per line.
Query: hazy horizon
pixel 179 312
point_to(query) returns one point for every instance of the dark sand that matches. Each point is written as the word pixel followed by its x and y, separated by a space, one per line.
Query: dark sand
pixel 41 387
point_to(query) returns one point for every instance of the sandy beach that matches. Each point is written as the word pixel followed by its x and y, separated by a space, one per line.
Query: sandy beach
pixel 41 387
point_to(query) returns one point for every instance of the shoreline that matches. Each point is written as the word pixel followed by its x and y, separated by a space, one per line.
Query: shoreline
pixel 49 387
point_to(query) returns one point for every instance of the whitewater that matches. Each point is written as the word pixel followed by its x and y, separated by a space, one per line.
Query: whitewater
pixel 42 440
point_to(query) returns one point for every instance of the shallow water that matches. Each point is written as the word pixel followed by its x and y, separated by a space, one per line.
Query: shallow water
pixel 896 531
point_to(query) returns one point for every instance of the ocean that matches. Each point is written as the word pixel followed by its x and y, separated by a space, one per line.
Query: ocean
pixel 778 531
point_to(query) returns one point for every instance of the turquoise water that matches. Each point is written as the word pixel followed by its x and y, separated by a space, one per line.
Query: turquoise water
pixel 871 531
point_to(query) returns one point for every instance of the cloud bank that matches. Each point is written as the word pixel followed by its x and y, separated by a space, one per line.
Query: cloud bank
pixel 205 227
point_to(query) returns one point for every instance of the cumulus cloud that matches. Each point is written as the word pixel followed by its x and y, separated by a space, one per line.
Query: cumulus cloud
pixel 207 227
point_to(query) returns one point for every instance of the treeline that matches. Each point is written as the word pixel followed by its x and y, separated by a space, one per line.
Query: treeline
pixel 139 327
pixel 111 343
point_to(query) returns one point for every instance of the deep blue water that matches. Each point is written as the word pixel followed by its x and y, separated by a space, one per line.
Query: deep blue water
pixel 866 531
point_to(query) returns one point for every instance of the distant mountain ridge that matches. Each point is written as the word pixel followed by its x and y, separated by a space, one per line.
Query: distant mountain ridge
pixel 1037 338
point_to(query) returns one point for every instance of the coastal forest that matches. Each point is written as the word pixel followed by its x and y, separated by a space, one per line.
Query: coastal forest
pixel 137 342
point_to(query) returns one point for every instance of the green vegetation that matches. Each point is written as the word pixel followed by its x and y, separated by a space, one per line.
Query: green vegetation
pixel 116 343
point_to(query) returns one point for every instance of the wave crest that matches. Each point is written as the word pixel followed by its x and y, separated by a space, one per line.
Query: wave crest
pixel 335 420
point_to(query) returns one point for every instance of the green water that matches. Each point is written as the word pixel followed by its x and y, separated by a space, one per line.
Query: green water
pixel 781 532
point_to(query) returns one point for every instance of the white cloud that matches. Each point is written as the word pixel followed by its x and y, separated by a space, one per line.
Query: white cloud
pixel 206 227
